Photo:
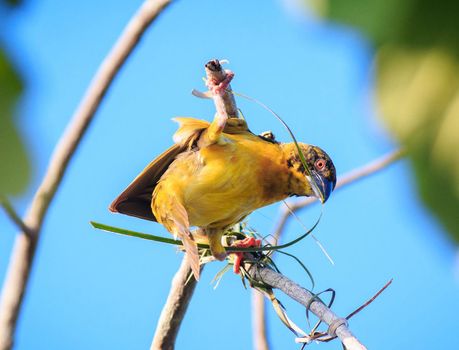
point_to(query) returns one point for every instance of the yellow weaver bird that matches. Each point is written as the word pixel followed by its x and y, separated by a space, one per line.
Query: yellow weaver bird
pixel 215 175
pixel 213 179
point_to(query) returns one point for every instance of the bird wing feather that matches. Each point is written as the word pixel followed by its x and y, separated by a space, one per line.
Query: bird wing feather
pixel 135 200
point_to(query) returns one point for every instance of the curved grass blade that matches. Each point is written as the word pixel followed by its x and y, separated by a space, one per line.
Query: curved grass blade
pixel 302 265
pixel 271 263
pixel 282 314
pixel 322 248
pixel 218 277
pixel 316 298
pixel 146 236
pixel 277 247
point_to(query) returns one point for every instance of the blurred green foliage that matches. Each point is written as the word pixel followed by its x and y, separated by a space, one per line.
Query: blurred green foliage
pixel 13 2
pixel 417 85
pixel 14 161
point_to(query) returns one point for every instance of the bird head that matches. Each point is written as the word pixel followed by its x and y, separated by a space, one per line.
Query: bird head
pixel 319 178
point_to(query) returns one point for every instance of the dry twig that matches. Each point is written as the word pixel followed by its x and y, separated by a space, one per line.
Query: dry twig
pixel 25 245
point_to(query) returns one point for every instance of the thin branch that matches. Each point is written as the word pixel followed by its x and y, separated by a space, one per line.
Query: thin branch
pixel 260 341
pixel 25 245
pixel 337 325
pixel 258 306
pixel 12 214
pixel 182 288
pixel 369 301
pixel 170 319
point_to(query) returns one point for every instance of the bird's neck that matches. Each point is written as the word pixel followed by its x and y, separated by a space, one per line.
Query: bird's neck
pixel 297 183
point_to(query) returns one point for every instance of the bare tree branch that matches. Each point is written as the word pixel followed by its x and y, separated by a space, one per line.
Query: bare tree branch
pixel 25 245
pixel 259 334
pixel 182 288
pixel 12 214
pixel 258 305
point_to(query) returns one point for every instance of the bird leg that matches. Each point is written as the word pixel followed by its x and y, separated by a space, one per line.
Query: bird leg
pixel 239 256
pixel 214 238
pixel 220 88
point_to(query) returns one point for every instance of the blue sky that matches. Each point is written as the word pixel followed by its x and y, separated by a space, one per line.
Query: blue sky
pixel 95 290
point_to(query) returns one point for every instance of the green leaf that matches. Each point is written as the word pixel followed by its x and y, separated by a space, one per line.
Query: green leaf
pixel 146 236
pixel 302 265
pixel 11 3
pixel 417 83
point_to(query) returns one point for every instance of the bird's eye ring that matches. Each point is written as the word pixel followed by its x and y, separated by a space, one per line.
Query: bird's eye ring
pixel 320 164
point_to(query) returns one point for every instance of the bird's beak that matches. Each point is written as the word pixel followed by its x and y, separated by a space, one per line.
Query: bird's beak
pixel 321 186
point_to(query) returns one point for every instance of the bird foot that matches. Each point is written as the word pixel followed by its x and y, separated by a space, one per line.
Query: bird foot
pixel 239 256
pixel 219 89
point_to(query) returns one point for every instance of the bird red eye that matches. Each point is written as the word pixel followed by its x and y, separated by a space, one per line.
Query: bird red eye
pixel 320 164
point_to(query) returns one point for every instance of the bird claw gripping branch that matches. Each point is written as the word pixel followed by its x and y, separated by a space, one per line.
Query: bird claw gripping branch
pixel 219 88
pixel 239 256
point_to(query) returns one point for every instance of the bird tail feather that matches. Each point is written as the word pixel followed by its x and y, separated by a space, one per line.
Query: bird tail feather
pixel 191 250
pixel 180 228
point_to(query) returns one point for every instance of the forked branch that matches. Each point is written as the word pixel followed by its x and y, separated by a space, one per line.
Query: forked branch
pixel 12 214
pixel 26 242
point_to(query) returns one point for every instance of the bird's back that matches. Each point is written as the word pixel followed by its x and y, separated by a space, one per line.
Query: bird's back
pixel 220 184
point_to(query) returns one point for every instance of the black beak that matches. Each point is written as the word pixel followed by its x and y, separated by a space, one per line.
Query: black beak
pixel 321 186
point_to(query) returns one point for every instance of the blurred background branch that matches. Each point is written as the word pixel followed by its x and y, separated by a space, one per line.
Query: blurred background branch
pixel 347 179
pixel 26 242
pixel 12 214
pixel 260 339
